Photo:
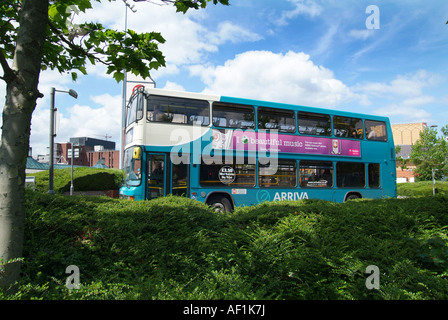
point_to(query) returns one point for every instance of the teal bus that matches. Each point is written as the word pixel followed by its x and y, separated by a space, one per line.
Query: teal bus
pixel 229 152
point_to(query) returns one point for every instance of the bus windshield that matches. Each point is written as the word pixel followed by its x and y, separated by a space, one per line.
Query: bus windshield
pixel 132 167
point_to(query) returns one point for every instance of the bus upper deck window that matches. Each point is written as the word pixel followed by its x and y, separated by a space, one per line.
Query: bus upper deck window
pixel 178 110
pixel 376 130
pixel 348 127
pixel 276 119
pixel 135 109
pixel 314 123
pixel 233 116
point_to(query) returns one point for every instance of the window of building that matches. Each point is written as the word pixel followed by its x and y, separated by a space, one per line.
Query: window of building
pixel 233 116
pixel 376 130
pixel 223 172
pixel 350 175
pixel 276 119
pixel 374 175
pixel 314 123
pixel 316 174
pixel 284 174
pixel 178 110
pixel 348 127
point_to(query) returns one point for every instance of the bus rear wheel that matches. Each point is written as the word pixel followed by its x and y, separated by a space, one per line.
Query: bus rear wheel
pixel 353 196
pixel 220 204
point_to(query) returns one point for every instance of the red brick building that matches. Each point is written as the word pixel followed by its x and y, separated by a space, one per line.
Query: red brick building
pixel 91 152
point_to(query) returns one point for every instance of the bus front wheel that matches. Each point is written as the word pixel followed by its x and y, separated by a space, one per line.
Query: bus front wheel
pixel 220 204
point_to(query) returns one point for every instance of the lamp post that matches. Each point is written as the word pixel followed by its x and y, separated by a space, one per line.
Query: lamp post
pixel 72 188
pixel 123 111
pixel 74 94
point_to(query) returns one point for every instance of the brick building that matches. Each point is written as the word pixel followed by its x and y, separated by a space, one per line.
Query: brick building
pixel 405 135
pixel 92 152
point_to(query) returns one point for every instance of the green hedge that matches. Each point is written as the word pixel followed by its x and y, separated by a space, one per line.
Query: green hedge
pixel 422 188
pixel 177 248
pixel 84 179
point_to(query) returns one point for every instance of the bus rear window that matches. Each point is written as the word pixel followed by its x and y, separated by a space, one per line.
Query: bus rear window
pixel 233 116
pixel 376 130
pixel 314 123
pixel 178 110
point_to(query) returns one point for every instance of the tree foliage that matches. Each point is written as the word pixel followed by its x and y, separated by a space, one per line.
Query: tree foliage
pixel 430 152
pixel 37 35
pixel 69 47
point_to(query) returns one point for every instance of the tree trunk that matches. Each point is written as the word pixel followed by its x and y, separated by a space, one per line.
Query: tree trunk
pixel 21 95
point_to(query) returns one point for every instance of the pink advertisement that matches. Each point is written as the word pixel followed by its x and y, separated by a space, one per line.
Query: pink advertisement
pixel 261 141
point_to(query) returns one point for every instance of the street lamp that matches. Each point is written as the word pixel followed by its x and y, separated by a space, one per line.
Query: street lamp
pixel 433 172
pixel 74 94
pixel 123 109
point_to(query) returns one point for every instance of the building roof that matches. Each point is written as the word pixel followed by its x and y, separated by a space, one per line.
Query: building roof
pixel 100 164
pixel 405 152
pixel 33 164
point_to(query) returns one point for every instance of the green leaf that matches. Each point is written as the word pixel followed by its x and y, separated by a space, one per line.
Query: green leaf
pixel 118 76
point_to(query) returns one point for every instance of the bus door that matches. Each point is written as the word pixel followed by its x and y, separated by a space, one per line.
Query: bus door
pixel 166 177
pixel 180 179
pixel 156 164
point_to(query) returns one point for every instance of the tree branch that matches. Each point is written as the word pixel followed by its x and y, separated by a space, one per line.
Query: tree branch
pixel 8 73
pixel 74 46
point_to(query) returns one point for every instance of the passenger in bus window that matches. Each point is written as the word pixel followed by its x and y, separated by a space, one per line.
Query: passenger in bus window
pixel 157 173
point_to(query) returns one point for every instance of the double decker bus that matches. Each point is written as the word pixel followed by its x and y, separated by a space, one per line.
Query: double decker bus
pixel 229 152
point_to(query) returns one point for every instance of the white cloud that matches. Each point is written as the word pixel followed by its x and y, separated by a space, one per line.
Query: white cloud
pixel 362 34
pixel 264 75
pixel 229 32
pixel 301 7
pixel 405 113
pixel 403 85
pixel 78 120
pixel 169 85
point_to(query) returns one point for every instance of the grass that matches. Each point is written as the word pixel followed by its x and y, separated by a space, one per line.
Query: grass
pixel 177 248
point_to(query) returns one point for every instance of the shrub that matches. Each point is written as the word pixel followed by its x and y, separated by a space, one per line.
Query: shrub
pixel 178 248
pixel 422 188
pixel 84 179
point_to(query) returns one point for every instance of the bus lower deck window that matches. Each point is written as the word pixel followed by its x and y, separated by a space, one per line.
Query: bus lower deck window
pixel 283 174
pixel 350 175
pixel 316 174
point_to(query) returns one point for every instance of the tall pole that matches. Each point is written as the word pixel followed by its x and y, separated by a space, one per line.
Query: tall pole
pixel 51 169
pixel 74 94
pixel 125 81
pixel 71 182
pixel 433 182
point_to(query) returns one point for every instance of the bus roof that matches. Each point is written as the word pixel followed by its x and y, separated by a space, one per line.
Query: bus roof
pixel 261 103
pixel 269 104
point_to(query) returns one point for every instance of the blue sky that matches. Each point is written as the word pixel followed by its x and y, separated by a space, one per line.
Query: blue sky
pixel 312 52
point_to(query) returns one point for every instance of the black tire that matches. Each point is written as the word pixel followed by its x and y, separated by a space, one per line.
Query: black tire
pixel 220 204
pixel 352 197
